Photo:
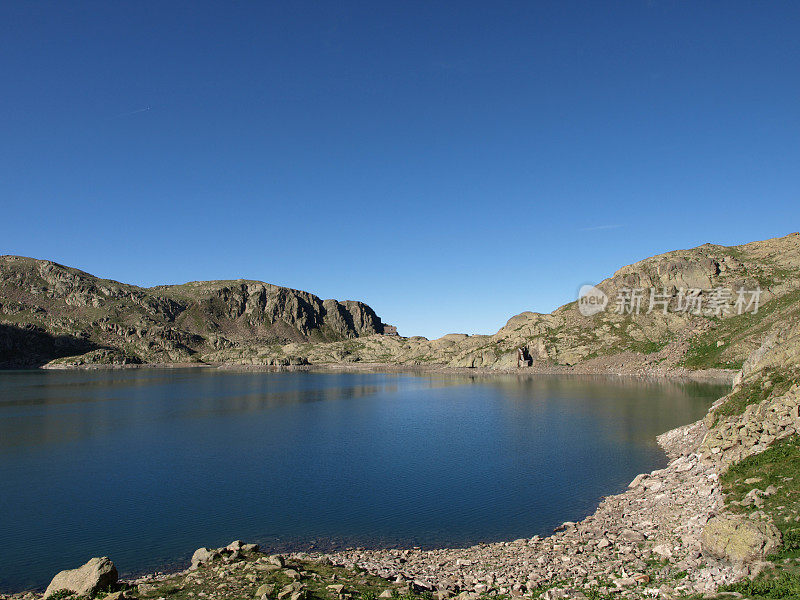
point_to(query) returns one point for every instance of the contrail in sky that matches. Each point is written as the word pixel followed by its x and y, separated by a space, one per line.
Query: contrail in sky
pixel 133 112
pixel 600 227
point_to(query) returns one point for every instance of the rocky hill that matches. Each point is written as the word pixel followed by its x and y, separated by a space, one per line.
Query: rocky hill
pixel 49 311
pixel 663 314
pixel 683 331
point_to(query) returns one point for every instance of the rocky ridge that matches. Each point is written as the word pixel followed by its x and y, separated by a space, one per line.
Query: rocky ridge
pixel 657 342
pixel 48 311
pixel 51 312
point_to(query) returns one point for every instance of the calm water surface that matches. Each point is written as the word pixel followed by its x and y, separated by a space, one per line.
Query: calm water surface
pixel 145 466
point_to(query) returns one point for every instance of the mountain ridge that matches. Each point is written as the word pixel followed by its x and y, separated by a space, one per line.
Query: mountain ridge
pixel 121 323
pixel 246 322
pixel 609 342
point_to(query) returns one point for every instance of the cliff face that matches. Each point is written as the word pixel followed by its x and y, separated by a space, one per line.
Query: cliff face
pixel 49 311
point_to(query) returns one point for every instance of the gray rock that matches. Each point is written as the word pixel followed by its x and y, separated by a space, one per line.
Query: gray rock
pixel 336 588
pixel 738 539
pixel 97 574
pixel 630 535
pixel 278 560
pixel 292 574
pixel 202 556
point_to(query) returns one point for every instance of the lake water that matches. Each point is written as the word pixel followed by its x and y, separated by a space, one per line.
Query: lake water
pixel 146 465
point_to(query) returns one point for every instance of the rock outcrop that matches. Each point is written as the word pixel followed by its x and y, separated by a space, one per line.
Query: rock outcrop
pixel 96 575
pixel 52 312
pixel 740 539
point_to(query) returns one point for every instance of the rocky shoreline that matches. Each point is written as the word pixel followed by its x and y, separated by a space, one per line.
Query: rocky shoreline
pixel 647 535
pixel 670 373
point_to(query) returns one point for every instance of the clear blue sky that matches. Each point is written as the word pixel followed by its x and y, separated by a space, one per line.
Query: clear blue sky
pixel 451 164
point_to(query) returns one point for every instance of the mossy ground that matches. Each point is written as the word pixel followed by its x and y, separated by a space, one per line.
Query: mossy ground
pixel 778 466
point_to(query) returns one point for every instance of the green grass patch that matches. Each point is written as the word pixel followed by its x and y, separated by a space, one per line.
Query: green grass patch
pixel 783 585
pixel 778 465
pixel 647 346
pixel 226 582
pixel 703 352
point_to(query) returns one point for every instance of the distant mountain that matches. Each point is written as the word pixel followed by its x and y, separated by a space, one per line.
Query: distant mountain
pixel 613 340
pixel 48 311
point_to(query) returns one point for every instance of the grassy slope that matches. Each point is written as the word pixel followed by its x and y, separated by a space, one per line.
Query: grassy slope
pixel 778 466
pixel 704 353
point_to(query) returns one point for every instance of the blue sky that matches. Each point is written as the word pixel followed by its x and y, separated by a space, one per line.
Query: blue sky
pixel 451 164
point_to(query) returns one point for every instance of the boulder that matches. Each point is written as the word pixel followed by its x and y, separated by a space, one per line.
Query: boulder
pixel 739 539
pixel 336 588
pixel 277 560
pixel 291 591
pixel 97 574
pixel 292 574
pixel 202 556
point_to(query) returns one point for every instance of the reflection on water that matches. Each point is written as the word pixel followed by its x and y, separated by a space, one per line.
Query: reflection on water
pixel 146 465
